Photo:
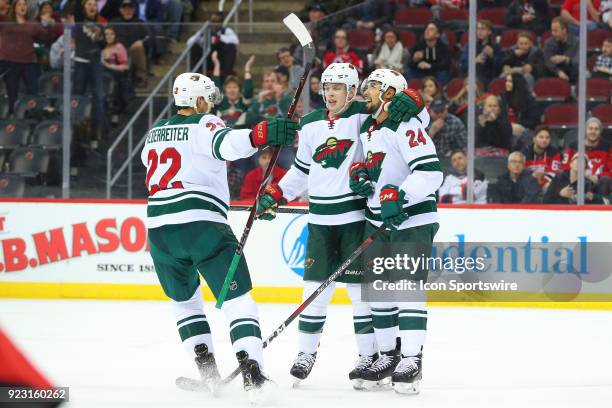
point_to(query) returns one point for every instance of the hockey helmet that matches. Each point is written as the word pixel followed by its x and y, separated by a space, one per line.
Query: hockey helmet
pixel 190 85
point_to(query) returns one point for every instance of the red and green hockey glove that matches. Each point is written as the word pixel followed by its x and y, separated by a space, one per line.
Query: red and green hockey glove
pixel 359 180
pixel 391 210
pixel 272 198
pixel 405 105
pixel 274 132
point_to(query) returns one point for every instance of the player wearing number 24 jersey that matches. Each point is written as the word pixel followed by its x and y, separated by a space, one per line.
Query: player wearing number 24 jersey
pixel 185 157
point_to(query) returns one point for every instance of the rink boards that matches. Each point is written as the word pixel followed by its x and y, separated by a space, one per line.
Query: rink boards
pixel 98 249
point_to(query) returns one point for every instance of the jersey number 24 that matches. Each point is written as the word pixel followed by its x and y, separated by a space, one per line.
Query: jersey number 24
pixel 169 154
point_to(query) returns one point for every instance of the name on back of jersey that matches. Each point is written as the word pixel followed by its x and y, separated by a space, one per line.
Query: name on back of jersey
pixel 168 134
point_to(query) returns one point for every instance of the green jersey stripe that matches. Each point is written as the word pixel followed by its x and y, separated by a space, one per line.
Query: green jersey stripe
pixel 186 204
pixel 337 208
pixel 301 168
pixel 333 197
pixel 431 166
pixel 422 158
pixel 200 193
pixel 216 143
pixel 200 316
pixel 413 311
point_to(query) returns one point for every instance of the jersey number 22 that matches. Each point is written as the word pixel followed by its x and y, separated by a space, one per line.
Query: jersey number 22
pixel 168 154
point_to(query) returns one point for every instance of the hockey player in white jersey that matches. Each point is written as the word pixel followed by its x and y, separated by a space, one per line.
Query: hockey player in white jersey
pixel 400 175
pixel 187 222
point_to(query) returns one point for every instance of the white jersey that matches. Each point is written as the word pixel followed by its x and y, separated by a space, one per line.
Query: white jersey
pixel 327 149
pixel 403 155
pixel 186 170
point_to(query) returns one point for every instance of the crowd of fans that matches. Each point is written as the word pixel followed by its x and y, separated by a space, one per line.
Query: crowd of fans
pixel 522 155
pixel 524 158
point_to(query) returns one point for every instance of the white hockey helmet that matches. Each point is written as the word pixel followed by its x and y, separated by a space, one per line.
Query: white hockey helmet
pixel 191 85
pixel 387 78
pixel 340 73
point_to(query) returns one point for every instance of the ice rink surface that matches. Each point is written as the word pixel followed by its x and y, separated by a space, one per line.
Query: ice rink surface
pixel 128 354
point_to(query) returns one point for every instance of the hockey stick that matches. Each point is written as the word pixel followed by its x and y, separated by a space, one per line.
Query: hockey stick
pixel 312 297
pixel 299 30
pixel 280 210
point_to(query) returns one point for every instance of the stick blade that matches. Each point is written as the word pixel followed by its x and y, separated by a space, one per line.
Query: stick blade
pixel 298 29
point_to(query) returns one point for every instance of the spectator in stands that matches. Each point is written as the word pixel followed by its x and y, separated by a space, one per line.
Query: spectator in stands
pixel 459 103
pixel 115 60
pixel 342 52
pixel 447 131
pixel 603 65
pixel 133 33
pixel 606 13
pixel 316 100
pixel 370 15
pixel 235 176
pixel 17 54
pixel 56 54
pixel 524 58
pixel 391 52
pixel 532 15
pixel 430 56
pixel 46 9
pixel 454 188
pixel 517 186
pixel 493 131
pixel 431 89
pixel 561 52
pixel 88 72
pixel 570 14
pixel 254 178
pixel 166 12
pixel 542 159
pixel 439 5
pixel 270 102
pixel 599 150
pixel 236 97
pixel 285 59
pixel 488 54
pixel 521 108
pixel 5 5
pixel 224 41
pixel 322 31
pixel 563 187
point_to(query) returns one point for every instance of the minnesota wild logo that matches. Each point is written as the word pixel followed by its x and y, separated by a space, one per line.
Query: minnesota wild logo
pixel 332 153
pixel 374 163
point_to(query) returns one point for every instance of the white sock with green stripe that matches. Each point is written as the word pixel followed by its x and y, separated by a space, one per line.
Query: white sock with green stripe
pixel 362 321
pixel 192 324
pixel 245 333
pixel 412 326
pixel 385 320
pixel 312 318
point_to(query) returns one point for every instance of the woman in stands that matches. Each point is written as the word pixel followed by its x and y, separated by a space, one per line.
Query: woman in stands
pixel 431 89
pixel 17 55
pixel 521 108
pixel 115 61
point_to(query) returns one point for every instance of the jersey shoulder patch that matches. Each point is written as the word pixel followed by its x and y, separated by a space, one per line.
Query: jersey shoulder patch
pixel 312 117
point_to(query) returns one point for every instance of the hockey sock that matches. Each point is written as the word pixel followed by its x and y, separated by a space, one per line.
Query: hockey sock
pixel 312 319
pixel 362 320
pixel 241 313
pixel 384 317
pixel 412 326
pixel 192 324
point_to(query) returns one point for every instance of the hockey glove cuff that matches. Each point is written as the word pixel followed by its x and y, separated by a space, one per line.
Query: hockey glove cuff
pixel 391 206
pixel 359 180
pixel 405 105
pixel 274 132
pixel 272 198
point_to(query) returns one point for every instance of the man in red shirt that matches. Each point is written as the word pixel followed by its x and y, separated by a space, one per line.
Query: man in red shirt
pixel 599 151
pixel 343 52
pixel 254 178
pixel 570 14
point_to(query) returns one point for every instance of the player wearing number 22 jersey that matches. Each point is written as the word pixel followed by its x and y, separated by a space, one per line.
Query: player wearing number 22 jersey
pixel 186 156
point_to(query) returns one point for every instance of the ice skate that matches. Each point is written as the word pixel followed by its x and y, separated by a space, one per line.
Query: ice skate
pixel 302 366
pixel 408 374
pixel 356 374
pixel 257 385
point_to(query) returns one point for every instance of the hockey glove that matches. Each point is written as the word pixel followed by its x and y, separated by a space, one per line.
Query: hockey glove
pixel 272 198
pixel 405 105
pixel 391 206
pixel 359 180
pixel 274 132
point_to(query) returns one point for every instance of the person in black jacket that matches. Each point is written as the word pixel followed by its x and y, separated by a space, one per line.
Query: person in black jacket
pixel 533 15
pixel 88 70
pixel 516 186
pixel 430 56
pixel 488 54
pixel 493 131
pixel 524 58
pixel 133 34
pixel 522 110
pixel 563 187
